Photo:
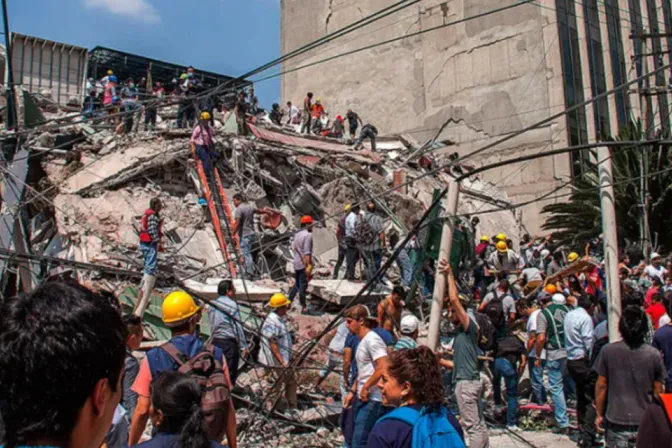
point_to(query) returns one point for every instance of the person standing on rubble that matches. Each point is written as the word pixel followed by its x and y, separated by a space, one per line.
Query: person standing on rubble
pixel 389 310
pixel 203 141
pixel 293 114
pixel 403 260
pixel 318 111
pixel 303 263
pixel 368 131
pixel 226 327
pixel 181 315
pixel 109 94
pixel 370 232
pixel 307 113
pixel 243 225
pixel 129 100
pixel 506 262
pixel 151 110
pixel 342 241
pixel 352 253
pixel 151 234
pixel 253 104
pixel 276 350
pixel 241 111
pixel 353 122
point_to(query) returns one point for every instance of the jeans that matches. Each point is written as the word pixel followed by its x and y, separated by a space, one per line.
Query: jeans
pixel 353 130
pixel 556 371
pixel 351 258
pixel 366 133
pixel 342 250
pixel 537 380
pixel 204 155
pixel 370 258
pixel 150 117
pixel 300 285
pixel 246 242
pixel 150 253
pixel 468 394
pixel 580 371
pixel 405 268
pixel 231 353
pixel 503 368
pixel 366 415
pixel 621 436
pixel 306 122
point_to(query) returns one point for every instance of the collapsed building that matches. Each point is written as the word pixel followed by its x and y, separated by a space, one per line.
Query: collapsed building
pixel 74 193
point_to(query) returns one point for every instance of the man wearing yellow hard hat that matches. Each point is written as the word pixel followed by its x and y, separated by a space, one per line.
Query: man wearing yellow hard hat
pixel 203 142
pixel 181 315
pixel 276 349
pixel 342 241
pixel 506 263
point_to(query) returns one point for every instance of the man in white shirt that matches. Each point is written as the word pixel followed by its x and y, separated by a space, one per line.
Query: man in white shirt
pixel 351 254
pixel 293 113
pixel 536 373
pixel 507 261
pixel 371 360
pixel 656 269
pixel 276 350
pixel 336 350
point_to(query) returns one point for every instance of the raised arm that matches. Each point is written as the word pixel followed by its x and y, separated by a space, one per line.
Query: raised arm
pixel 445 269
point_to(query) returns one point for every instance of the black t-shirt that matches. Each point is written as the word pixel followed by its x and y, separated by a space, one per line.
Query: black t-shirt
pixel 352 119
pixel 241 105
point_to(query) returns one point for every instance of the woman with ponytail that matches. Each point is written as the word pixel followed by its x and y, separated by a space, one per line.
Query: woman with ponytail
pixel 176 414
pixel 412 383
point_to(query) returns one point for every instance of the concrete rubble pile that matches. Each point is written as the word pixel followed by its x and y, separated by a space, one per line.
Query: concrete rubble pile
pixel 93 186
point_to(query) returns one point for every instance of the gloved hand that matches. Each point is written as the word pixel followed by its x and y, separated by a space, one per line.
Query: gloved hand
pixel 309 270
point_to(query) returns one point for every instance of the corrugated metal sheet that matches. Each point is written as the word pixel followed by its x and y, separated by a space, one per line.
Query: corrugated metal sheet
pixel 43 64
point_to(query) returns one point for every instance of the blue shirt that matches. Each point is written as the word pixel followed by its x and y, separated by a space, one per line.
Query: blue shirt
pixel 578 334
pixel 226 325
pixel 352 341
pixel 662 341
pixel 162 440
pixel 392 433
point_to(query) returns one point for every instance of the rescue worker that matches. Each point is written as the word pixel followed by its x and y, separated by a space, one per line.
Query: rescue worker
pixel 151 235
pixel 181 315
pixel 203 141
pixel 506 261
pixel 368 131
pixel 317 112
pixel 337 128
pixel 303 265
pixel 307 113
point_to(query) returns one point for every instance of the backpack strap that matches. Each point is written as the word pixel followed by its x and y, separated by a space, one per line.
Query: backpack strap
pixel 405 414
pixel 173 352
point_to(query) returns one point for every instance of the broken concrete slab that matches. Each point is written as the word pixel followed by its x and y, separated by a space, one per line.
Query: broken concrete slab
pixel 255 292
pixel 340 292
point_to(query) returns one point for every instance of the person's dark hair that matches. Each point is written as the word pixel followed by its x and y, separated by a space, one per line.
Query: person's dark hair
pixel 399 290
pixel 586 301
pixel 503 284
pixel 224 287
pixel 154 202
pixel 310 94
pixel 394 238
pixel 289 103
pixel 420 368
pixel 657 281
pixel 238 197
pixel 656 297
pixel 56 343
pixel 355 208
pixel 178 397
pixel 633 298
pixel 624 271
pixel 633 326
pixel 131 320
pixel 667 302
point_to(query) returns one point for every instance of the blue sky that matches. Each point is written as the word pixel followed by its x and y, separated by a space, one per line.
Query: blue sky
pixel 224 36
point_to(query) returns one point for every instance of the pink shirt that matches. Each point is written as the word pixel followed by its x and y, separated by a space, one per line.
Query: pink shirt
pixel 200 138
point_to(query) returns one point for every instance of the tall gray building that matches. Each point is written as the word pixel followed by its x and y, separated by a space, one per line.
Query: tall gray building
pixel 479 76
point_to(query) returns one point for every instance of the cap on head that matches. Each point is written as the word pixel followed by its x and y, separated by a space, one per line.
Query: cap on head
pixel 409 324
pixel 559 299
pixel 572 257
pixel 655 255
pixel 306 219
pixel 545 253
pixel 348 207
pixel 501 237
pixel 550 289
pixel 502 247
pixel 177 308
pixel 485 238
pixel 279 300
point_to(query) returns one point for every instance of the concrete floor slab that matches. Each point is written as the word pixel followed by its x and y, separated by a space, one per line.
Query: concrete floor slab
pixel 340 292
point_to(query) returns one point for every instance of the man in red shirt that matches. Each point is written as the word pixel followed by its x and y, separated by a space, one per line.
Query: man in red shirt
pixel 656 310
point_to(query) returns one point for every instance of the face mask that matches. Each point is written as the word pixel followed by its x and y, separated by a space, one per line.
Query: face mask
pixel 190 75
pixel 132 86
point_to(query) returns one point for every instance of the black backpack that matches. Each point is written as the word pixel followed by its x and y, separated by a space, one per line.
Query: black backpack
pixel 495 311
pixel 364 233
pixel 486 332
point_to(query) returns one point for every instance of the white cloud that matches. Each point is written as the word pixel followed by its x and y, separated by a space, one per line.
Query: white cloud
pixel 137 9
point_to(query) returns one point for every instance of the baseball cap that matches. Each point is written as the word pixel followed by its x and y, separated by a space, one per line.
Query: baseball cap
pixel 559 299
pixel 409 324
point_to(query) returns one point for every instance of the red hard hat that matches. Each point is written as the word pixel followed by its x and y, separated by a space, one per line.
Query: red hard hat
pixel 339 118
pixel 306 219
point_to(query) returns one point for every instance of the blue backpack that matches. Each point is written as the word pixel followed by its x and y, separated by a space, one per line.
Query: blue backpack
pixel 431 428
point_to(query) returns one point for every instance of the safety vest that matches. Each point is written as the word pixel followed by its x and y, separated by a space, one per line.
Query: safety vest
pixel 145 237
pixel 555 326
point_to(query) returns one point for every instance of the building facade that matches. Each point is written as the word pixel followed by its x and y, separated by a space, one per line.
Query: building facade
pixel 475 71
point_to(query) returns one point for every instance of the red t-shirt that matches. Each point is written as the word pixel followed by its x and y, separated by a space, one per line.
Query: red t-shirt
pixel 655 311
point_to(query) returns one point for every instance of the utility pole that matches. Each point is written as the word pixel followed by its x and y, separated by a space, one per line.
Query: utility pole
pixel 444 254
pixel 12 119
pixel 610 241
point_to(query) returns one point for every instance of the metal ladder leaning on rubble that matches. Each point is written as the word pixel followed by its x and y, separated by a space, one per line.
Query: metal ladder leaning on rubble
pixel 220 211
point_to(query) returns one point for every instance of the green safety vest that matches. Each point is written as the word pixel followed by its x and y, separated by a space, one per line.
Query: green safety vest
pixel 555 329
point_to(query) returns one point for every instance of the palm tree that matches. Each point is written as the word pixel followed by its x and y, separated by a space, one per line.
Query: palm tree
pixel 578 219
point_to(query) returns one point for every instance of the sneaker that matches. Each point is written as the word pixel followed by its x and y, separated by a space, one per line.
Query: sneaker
pixel 560 431
pixel 513 428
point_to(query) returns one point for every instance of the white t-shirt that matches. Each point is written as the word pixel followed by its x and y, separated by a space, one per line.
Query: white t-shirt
pixel 664 320
pixel 659 272
pixel 337 344
pixel 275 329
pixel 532 326
pixel 369 350
pixel 531 274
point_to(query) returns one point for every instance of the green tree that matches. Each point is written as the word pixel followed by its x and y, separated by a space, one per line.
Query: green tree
pixel 577 219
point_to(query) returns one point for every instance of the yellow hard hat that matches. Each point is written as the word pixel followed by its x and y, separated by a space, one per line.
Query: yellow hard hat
pixel 110 72
pixel 485 238
pixel 348 207
pixel 279 300
pixel 501 237
pixel 573 257
pixel 502 247
pixel 205 116
pixel 178 306
pixel 319 99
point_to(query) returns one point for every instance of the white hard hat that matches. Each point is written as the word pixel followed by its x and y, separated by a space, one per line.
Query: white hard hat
pixel 559 299
pixel 655 255
pixel 409 324
pixel 545 253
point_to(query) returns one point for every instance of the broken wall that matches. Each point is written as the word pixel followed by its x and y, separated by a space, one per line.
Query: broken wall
pixel 471 83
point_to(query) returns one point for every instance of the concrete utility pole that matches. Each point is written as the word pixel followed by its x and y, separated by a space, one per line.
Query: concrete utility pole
pixel 11 102
pixel 444 254
pixel 610 241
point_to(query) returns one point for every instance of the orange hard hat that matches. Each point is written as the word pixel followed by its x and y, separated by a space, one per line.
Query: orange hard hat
pixel 551 289
pixel 306 219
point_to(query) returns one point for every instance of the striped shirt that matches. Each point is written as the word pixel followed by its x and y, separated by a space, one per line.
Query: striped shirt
pixel 405 342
